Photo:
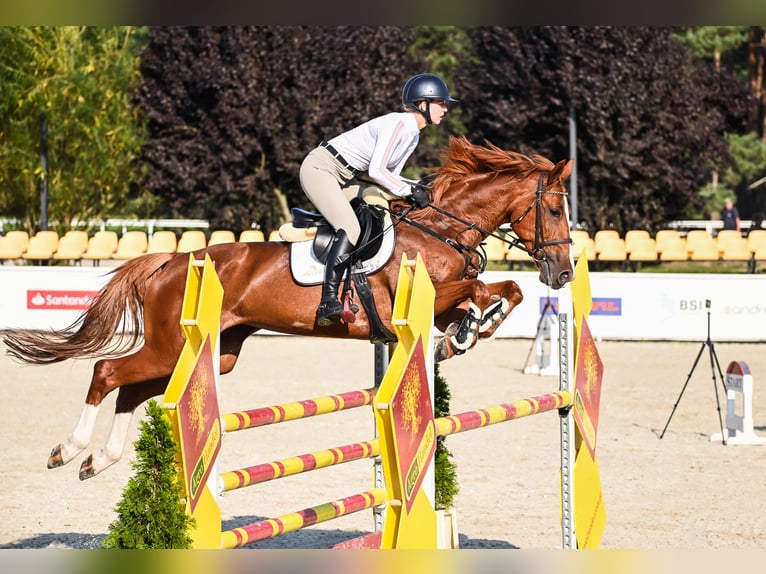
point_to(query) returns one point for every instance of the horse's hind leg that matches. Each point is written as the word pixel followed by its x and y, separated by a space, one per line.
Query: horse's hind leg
pixel 131 396
pixel 128 399
pixel 143 368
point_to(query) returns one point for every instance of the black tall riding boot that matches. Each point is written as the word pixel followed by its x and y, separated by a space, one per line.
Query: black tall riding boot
pixel 330 308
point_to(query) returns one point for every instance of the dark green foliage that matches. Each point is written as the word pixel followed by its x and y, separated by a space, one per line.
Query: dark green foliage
pixel 233 110
pixel 650 121
pixel 151 513
pixel 445 470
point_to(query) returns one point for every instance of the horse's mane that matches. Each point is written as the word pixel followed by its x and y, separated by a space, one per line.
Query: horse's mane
pixel 462 158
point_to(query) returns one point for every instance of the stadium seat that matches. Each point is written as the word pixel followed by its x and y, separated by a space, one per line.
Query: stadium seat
pixel 634 235
pixel 673 249
pixel 19 238
pixel 735 249
pixel 496 249
pixel 191 240
pixel 602 235
pixel 702 248
pixel 221 236
pixel 727 236
pixel 583 243
pixel 698 236
pixel 131 245
pixel 162 242
pixel 42 246
pixel 274 235
pixel 10 248
pixel 252 235
pixel 101 247
pixel 71 246
pixel 664 235
pixel 643 248
pixel 612 249
pixel 756 237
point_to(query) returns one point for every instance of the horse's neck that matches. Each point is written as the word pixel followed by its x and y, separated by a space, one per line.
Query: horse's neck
pixel 486 204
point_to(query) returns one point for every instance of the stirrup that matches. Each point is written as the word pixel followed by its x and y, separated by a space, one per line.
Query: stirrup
pixel 329 312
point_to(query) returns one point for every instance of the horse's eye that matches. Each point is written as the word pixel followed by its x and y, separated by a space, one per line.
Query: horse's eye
pixel 555 213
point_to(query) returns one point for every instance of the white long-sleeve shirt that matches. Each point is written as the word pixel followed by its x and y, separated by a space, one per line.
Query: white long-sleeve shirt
pixel 381 146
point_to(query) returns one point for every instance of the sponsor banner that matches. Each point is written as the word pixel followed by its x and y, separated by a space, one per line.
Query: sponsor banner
pixel 626 306
pixel 41 299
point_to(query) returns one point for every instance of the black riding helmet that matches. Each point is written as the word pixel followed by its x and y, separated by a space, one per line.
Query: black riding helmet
pixel 425 87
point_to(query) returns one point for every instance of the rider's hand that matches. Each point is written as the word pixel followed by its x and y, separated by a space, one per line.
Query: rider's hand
pixel 418 197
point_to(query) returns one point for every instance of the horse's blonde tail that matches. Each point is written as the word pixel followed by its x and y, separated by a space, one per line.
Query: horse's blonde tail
pixel 95 332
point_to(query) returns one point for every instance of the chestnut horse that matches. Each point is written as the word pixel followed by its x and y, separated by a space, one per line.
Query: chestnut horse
pixel 475 191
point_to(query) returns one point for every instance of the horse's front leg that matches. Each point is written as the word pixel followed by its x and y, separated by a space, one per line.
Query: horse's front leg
pixel 467 310
pixel 504 297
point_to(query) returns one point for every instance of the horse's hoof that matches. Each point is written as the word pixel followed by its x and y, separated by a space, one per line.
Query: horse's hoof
pixel 86 468
pixel 55 460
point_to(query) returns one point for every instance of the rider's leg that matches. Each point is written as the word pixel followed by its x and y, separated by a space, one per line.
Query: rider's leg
pixel 330 308
pixel 321 179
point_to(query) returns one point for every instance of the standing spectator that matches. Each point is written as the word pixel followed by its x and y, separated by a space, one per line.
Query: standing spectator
pixel 730 216
pixel 757 222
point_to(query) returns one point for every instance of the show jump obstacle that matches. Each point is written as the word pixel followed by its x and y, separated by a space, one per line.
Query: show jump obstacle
pixel 406 428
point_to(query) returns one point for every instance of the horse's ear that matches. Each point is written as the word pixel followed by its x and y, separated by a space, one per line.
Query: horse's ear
pixel 562 170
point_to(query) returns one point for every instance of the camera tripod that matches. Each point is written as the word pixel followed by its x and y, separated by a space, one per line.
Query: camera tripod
pixel 713 365
pixel 539 331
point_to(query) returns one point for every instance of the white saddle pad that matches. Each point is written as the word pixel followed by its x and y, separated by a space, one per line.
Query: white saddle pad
pixel 308 270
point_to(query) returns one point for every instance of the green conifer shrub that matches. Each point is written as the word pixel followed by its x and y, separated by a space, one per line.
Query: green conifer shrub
pixel 151 512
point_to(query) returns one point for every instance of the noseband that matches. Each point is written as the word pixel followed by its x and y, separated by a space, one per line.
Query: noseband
pixel 538 250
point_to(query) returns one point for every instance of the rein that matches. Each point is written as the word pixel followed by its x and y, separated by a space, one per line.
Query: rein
pixel 537 252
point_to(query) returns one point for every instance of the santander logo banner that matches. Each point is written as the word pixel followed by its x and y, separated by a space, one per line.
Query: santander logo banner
pixel 64 300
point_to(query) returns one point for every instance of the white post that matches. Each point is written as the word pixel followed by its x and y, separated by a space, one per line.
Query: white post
pixel 739 428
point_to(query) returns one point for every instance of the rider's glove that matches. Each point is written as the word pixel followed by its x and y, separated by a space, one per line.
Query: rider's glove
pixel 418 197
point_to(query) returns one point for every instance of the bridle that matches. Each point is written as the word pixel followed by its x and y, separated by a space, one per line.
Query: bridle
pixel 537 252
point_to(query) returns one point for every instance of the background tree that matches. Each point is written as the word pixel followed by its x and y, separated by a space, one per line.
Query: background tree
pixel 81 78
pixel 233 110
pixel 650 121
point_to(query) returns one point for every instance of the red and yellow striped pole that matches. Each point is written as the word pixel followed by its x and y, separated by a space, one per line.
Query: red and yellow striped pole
pixel 298 410
pixel 301 519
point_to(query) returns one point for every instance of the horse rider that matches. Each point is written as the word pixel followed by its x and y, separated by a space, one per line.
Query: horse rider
pixel 380 147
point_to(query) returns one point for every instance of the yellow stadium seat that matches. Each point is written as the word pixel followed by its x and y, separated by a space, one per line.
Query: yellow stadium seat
pixel 756 237
pixel 252 235
pixel 725 236
pixel 735 249
pixel 101 247
pixel 577 234
pixel 10 248
pixel 697 235
pixel 634 235
pixel 274 235
pixel 42 246
pixel 673 249
pixel 495 248
pixel 130 245
pixel 643 248
pixel 162 242
pixel 702 248
pixel 581 244
pixel 18 237
pixel 191 240
pixel 602 235
pixel 664 235
pixel 221 236
pixel 72 246
pixel 612 249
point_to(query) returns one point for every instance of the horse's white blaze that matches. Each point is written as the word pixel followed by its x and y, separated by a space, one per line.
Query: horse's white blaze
pixel 571 250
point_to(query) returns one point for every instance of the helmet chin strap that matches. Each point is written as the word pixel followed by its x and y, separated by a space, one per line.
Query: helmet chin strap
pixel 427 113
